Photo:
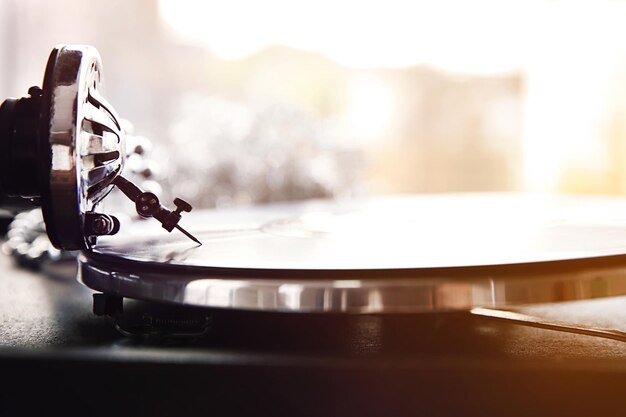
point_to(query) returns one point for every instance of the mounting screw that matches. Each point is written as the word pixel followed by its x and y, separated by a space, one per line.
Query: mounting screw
pixel 35 91
pixel 97 224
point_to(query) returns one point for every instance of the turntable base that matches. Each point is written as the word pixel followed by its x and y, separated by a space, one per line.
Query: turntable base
pixel 57 357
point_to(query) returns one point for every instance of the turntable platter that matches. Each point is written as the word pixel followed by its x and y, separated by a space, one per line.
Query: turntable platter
pixel 553 242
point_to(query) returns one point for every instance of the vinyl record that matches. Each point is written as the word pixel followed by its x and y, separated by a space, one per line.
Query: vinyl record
pixel 545 248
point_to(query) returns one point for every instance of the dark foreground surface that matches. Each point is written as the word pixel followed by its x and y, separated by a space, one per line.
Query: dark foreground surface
pixel 57 357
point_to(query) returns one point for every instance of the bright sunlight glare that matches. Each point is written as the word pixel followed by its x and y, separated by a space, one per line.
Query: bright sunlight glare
pixel 565 49
pixel 457 35
pixel 370 107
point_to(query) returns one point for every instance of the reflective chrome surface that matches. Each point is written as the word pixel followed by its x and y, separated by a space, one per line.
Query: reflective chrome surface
pixel 386 294
pixel 85 138
pixel 392 254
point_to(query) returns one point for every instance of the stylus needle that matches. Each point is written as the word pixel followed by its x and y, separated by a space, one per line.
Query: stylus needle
pixel 189 235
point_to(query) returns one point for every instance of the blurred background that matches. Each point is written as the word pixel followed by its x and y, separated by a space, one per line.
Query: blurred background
pixel 249 101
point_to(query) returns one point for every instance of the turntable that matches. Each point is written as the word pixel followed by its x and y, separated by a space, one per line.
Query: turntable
pixel 407 261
